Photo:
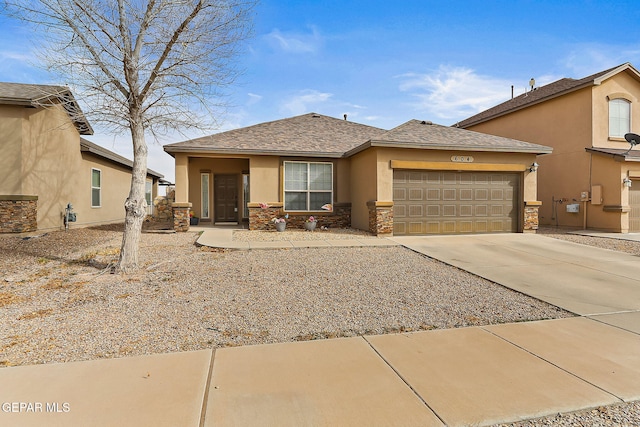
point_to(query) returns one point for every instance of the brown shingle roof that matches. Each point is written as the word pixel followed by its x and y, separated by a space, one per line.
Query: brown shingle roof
pixel 310 134
pixel 426 135
pixel 41 95
pixel 90 147
pixel 540 94
pixel 617 153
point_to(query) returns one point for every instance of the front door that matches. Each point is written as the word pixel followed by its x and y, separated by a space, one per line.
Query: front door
pixel 226 198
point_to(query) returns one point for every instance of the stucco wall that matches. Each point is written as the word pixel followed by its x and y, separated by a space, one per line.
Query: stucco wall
pixel 621 85
pixel 363 187
pixel 11 149
pixel 51 166
pixel 566 125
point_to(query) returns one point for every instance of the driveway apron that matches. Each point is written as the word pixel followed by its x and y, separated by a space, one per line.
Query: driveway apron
pixel 582 279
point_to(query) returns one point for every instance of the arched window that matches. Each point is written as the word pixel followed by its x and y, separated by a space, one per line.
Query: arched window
pixel 619 117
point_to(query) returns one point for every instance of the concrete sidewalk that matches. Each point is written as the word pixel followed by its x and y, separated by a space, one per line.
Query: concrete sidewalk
pixel 223 238
pixel 455 377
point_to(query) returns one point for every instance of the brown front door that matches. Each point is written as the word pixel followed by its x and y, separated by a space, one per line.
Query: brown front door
pixel 226 198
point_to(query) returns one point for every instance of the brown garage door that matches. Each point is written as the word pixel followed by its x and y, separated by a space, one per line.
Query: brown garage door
pixel 439 202
pixel 634 204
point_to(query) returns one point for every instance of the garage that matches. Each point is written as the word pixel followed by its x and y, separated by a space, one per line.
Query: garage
pixel 453 202
pixel 634 204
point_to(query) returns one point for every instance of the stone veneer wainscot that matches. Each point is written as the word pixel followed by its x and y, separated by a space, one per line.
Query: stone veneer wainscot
pixel 18 214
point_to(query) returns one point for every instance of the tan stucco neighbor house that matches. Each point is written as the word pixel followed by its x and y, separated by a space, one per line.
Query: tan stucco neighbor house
pixel 45 164
pixel 592 179
pixel 419 178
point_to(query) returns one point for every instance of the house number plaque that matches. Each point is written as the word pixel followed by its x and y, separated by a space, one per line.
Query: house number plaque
pixel 462 159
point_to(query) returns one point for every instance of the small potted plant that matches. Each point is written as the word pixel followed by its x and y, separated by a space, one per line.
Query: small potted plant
pixel 280 223
pixel 193 219
pixel 310 223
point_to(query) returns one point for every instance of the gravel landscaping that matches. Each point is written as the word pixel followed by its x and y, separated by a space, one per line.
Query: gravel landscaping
pixel 59 303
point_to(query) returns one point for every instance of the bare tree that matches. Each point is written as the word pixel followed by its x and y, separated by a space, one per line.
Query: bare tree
pixel 141 66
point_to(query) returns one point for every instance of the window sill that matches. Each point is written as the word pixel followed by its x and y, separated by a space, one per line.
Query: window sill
pixel 617 139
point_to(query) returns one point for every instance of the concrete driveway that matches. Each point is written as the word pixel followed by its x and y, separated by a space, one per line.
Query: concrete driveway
pixel 582 279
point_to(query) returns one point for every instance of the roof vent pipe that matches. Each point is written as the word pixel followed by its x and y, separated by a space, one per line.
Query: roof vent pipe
pixel 345 117
pixel 511 91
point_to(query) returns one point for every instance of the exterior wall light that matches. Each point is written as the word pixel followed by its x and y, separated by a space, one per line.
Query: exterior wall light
pixel 626 182
pixel 533 167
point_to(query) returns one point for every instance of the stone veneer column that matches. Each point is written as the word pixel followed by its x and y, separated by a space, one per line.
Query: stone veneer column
pixel 380 217
pixel 531 220
pixel 181 219
pixel 18 214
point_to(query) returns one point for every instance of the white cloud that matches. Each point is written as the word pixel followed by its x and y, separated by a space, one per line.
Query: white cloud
pixel 305 101
pixel 590 58
pixel 454 93
pixel 295 42
pixel 253 98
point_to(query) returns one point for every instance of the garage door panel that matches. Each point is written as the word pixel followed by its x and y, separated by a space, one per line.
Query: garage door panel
pixel 634 204
pixel 449 202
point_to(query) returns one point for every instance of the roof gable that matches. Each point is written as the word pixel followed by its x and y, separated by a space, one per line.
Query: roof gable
pixel 545 93
pixel 309 135
pixel 427 135
pixel 32 95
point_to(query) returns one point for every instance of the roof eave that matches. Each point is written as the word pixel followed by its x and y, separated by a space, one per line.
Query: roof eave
pixel 445 147
pixel 88 146
pixel 284 153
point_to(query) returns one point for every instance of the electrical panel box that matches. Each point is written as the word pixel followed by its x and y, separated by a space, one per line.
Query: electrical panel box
pixel 573 207
pixel 596 194
pixel 584 196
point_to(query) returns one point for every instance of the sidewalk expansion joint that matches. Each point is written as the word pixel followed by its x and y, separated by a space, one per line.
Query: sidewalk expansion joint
pixel 205 397
pixel 553 364
pixel 424 402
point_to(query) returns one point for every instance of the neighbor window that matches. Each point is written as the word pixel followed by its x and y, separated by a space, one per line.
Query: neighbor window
pixel 307 185
pixel 96 188
pixel 148 196
pixel 619 117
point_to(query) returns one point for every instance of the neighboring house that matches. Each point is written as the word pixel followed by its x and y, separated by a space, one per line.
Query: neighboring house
pixel 591 180
pixel 45 164
pixel 419 178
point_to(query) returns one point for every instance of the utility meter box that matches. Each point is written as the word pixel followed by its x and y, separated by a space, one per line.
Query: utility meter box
pixel 584 196
pixel 573 207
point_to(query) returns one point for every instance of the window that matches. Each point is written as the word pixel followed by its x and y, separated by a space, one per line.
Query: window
pixel 148 196
pixel 619 117
pixel 204 180
pixel 96 188
pixel 307 186
pixel 245 195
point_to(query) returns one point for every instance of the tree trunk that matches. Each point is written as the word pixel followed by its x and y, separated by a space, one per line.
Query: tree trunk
pixel 136 205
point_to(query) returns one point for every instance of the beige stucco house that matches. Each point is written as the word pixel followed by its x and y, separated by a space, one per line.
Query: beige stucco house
pixel 419 178
pixel 591 180
pixel 46 164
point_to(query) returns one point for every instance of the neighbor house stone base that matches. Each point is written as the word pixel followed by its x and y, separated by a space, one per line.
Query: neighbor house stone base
pixel 261 216
pixel 531 219
pixel 18 214
pixel 380 217
pixel 163 206
pixel 181 216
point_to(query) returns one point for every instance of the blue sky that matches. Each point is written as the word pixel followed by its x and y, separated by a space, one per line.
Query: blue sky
pixel 386 62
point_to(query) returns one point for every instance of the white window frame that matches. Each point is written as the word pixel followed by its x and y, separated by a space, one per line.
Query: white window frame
pixel 628 104
pixel 202 212
pixel 308 190
pixel 99 188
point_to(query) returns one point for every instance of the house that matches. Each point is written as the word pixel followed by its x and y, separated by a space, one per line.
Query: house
pixel 46 164
pixel 592 179
pixel 419 178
